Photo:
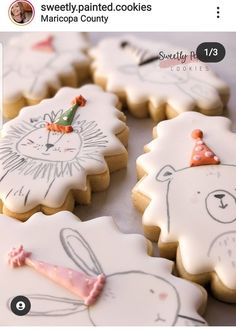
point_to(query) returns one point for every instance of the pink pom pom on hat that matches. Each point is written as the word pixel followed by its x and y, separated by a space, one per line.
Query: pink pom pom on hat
pixel 202 154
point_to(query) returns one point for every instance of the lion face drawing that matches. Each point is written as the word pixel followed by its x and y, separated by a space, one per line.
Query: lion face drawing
pixel 31 145
pixel 30 154
pixel 50 146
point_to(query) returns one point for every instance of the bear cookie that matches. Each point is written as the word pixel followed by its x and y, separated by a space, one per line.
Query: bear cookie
pixel 86 278
pixel 146 79
pixel 36 65
pixel 187 194
pixel 56 152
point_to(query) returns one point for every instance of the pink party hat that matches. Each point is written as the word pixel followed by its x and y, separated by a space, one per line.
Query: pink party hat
pixel 86 287
pixel 44 45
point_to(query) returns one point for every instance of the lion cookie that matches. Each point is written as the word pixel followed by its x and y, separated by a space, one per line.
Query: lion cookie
pixel 188 196
pixel 36 65
pixel 55 153
pixel 86 278
pixel 139 73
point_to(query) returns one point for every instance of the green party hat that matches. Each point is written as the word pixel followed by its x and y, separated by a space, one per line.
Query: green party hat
pixel 64 123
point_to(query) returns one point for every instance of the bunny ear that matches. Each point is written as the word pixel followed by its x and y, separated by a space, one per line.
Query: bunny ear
pixel 80 252
pixel 51 306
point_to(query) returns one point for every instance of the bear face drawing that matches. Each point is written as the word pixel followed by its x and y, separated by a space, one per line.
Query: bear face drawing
pixel 204 192
pixel 201 208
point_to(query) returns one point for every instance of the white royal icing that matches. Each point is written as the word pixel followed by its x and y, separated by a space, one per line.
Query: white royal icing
pixel 195 206
pixel 29 72
pixel 40 167
pixel 182 89
pixel 139 289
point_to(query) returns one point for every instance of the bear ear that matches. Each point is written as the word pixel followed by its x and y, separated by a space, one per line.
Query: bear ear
pixel 165 173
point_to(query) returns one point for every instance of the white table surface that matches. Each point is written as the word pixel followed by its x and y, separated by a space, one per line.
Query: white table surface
pixel 116 201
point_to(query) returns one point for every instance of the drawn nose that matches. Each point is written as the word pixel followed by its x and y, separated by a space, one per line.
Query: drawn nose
pixel 219 196
pixel 48 146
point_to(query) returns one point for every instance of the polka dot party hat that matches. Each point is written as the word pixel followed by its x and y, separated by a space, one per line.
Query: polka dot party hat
pixel 202 154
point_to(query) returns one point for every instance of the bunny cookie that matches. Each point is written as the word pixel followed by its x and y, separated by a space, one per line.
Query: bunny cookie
pixel 36 65
pixel 86 278
pixel 56 152
pixel 150 78
pixel 187 194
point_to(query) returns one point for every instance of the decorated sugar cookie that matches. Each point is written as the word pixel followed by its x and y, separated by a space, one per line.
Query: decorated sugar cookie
pixel 36 65
pixel 86 278
pixel 151 78
pixel 188 196
pixel 54 153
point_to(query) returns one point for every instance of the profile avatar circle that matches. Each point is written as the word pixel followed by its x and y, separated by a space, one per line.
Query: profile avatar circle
pixel 21 12
pixel 20 305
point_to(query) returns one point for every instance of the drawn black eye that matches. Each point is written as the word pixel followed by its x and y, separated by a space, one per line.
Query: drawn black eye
pixel 30 141
pixel 152 291
pixel 198 192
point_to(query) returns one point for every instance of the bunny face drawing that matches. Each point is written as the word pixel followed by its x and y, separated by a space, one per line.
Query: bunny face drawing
pixel 155 291
pixel 131 297
pixel 151 292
